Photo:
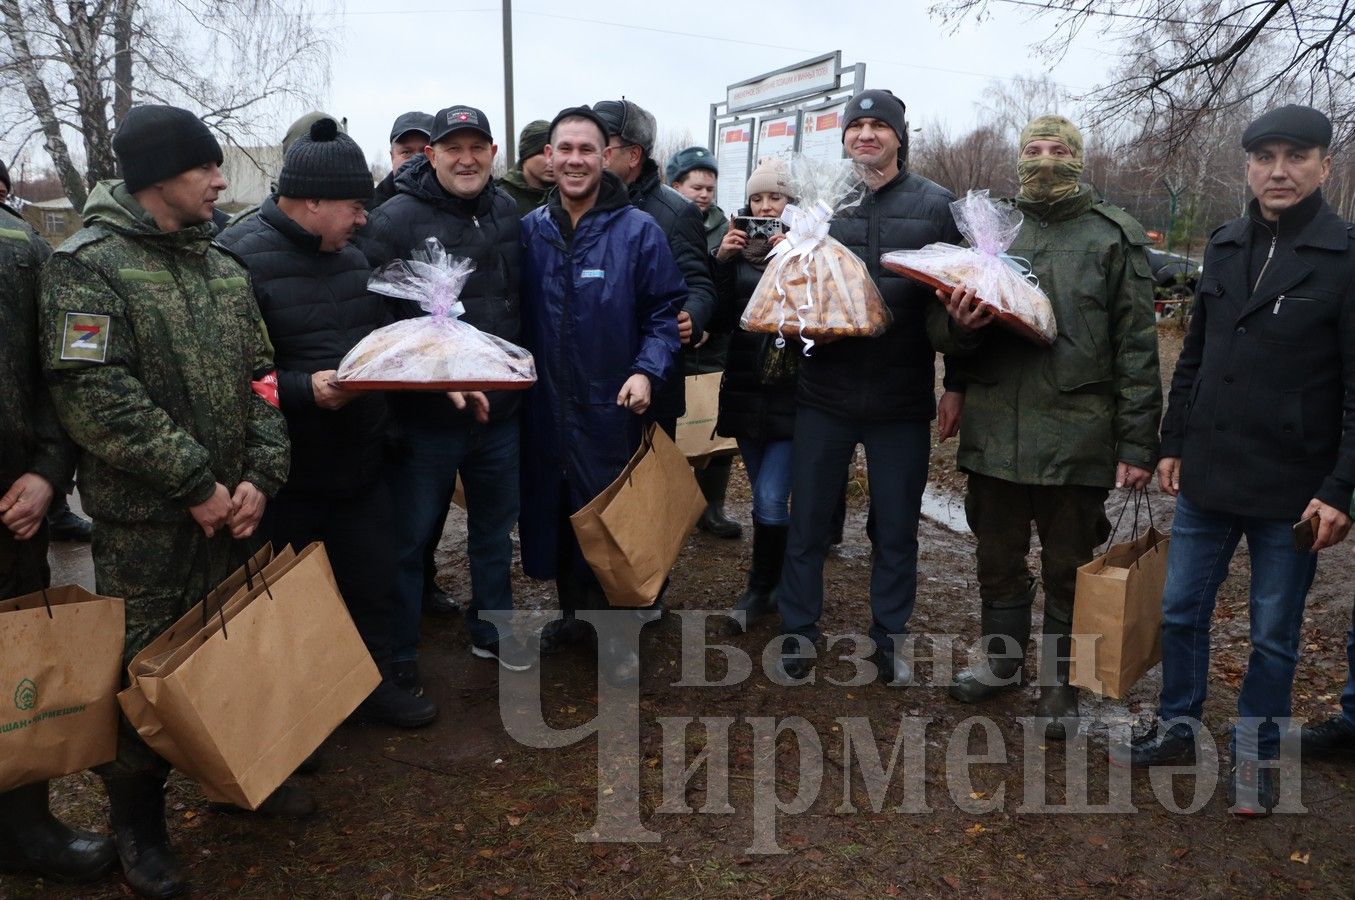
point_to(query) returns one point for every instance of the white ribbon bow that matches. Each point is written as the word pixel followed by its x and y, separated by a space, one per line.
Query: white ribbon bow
pixel 807 229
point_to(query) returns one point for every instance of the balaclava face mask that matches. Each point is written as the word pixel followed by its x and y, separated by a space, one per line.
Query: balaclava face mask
pixel 1048 179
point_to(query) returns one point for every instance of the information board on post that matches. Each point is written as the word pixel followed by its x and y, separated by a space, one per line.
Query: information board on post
pixel 734 155
pixel 797 108
pixel 821 132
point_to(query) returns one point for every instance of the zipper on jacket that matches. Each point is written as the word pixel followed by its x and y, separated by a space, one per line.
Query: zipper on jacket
pixel 476 220
pixel 1270 254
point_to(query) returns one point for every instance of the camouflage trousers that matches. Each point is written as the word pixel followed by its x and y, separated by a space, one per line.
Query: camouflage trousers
pixel 23 564
pixel 161 571
pixel 1071 522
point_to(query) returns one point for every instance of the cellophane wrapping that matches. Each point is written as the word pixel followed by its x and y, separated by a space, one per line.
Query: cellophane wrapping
pixel 998 279
pixel 813 286
pixel 439 347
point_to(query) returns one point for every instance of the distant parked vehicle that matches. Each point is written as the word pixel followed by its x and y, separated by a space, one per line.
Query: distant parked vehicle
pixel 1174 280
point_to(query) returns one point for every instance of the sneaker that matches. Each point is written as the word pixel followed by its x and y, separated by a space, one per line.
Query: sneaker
pixel 509 651
pixel 405 674
pixel 1252 788
pixel 1155 747
pixel 1334 737
pixel 391 705
pixel 440 604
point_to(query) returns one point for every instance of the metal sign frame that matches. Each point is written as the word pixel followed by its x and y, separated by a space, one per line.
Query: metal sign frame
pixel 791 92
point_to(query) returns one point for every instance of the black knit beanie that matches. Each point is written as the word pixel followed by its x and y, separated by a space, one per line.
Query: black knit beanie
pixel 325 165
pixel 155 143
pixel 4 176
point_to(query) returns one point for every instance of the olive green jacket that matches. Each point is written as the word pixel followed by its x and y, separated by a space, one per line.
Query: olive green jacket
pixel 150 341
pixel 1068 413
pixel 527 197
pixel 31 439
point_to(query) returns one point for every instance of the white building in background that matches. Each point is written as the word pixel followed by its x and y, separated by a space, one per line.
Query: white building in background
pixel 250 172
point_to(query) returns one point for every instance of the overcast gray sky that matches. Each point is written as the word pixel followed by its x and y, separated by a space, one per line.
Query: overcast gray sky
pixel 672 58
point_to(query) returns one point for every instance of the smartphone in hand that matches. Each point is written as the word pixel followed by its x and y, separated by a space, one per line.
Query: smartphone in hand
pixel 759 226
pixel 1305 533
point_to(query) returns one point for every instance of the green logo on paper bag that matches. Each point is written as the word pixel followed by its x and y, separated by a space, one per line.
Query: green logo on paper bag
pixel 26 695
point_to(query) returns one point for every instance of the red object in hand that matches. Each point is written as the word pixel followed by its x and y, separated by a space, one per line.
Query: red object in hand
pixel 267 388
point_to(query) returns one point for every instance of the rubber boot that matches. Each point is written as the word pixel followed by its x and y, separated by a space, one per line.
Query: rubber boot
pixel 998 672
pixel 714 482
pixel 34 841
pixel 136 810
pixel 1058 701
pixel 769 552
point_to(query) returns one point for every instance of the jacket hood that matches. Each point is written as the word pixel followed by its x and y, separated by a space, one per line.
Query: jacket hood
pixel 419 179
pixel 111 205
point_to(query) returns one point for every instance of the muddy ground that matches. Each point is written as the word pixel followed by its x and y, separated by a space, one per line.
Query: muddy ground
pixel 461 809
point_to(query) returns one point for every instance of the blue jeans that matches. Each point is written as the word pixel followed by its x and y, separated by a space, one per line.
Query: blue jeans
pixel 768 465
pixel 897 453
pixel 1202 544
pixel 421 483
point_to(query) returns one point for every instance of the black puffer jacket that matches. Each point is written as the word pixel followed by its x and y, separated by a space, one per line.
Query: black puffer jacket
pixel 685 227
pixel 892 376
pixel 316 307
pixel 750 409
pixel 484 229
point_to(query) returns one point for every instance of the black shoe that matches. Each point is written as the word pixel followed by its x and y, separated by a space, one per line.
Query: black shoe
pixel 509 651
pixel 758 599
pixel 405 674
pixel 440 604
pixel 792 667
pixel 1253 789
pixel 1334 737
pixel 564 633
pixel 287 802
pixel 136 810
pixel 714 522
pixel 1057 708
pixel 1005 629
pixel 67 526
pixel 33 841
pixel 395 706
pixel 892 670
pixel 1155 748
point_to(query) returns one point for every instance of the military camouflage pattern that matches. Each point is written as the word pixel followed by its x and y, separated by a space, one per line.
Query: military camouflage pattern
pixel 150 341
pixel 1066 414
pixel 31 439
pixel 161 570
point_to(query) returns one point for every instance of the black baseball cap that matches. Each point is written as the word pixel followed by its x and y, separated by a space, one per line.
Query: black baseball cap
pixel 458 118
pixel 421 122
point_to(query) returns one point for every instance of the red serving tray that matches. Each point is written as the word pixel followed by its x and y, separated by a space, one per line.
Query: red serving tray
pixel 433 385
pixel 1004 318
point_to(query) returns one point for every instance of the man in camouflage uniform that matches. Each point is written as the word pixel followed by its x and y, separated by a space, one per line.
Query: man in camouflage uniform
pixel 151 338
pixel 1045 432
pixel 531 179
pixel 36 462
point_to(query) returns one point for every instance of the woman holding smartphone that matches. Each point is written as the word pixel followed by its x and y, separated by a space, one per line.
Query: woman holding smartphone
pixel 757 393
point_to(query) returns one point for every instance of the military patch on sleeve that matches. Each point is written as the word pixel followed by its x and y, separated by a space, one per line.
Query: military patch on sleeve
pixel 85 337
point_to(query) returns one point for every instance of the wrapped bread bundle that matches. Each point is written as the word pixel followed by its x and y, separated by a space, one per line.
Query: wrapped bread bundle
pixel 436 352
pixel 1002 282
pixel 814 287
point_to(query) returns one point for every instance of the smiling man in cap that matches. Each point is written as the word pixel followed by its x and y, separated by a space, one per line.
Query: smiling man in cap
pixel 449 194
pixel 1259 435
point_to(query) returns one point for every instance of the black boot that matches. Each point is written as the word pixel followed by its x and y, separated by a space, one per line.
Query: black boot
pixel 136 810
pixel 999 671
pixel 567 631
pixel 32 840
pixel 769 552
pixel 714 482
pixel 64 525
pixel 1057 705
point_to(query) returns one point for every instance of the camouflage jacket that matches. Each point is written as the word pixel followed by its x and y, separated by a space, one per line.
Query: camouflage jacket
pixel 524 195
pixel 1066 414
pixel 150 342
pixel 31 439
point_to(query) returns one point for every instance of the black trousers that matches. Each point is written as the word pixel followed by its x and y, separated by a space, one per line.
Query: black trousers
pixel 23 564
pixel 359 538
